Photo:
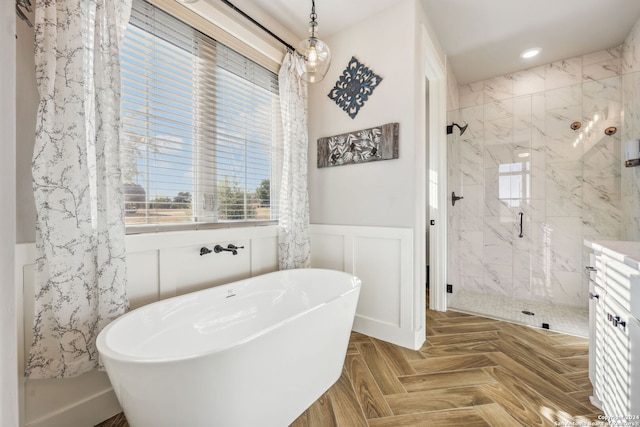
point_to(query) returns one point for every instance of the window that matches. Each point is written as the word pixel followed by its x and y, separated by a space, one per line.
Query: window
pixel 200 126
pixel 514 182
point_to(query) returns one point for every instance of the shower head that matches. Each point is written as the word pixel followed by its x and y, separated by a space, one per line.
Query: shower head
pixel 450 128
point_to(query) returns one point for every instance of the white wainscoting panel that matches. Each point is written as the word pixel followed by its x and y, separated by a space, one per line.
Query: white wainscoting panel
pixel 382 258
pixel 184 270
pixel 143 280
pixel 264 254
pixel 377 262
pixel 327 250
pixel 160 265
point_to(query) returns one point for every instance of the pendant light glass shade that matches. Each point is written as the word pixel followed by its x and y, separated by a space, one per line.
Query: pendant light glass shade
pixel 314 54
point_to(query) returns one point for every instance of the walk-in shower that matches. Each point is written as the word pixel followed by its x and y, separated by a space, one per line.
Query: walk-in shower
pixel 534 187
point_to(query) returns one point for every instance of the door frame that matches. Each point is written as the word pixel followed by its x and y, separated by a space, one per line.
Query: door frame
pixel 435 165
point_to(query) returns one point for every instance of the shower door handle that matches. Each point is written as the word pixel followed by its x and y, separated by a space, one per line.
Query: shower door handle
pixel 455 198
pixel 521 235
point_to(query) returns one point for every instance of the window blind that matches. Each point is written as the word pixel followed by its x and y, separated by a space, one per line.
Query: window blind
pixel 201 124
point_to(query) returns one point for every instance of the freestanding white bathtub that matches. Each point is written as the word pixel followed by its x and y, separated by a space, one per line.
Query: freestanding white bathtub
pixel 257 352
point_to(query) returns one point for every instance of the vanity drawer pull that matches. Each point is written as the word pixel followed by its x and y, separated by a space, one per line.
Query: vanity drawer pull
pixel 617 322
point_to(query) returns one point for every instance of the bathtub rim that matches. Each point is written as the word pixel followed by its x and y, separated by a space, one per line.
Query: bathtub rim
pixel 106 352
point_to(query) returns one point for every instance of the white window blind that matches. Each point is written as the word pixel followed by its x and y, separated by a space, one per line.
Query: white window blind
pixel 200 127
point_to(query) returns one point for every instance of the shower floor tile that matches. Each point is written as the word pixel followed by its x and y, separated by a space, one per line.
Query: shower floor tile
pixel 560 318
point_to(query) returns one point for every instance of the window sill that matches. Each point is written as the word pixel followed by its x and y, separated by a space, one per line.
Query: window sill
pixel 162 228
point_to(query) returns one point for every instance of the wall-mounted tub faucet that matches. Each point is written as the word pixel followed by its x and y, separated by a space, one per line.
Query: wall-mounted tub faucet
pixel 230 248
pixel 205 251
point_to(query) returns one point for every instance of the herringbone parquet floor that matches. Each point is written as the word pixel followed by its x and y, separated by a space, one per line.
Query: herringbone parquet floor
pixel 472 371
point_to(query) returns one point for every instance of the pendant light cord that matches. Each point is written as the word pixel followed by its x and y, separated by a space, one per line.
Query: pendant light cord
pixel 313 14
pixel 262 27
pixel 313 17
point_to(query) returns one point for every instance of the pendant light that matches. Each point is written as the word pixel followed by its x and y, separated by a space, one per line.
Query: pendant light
pixel 314 55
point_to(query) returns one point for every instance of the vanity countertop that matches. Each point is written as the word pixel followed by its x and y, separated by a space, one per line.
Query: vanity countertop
pixel 623 250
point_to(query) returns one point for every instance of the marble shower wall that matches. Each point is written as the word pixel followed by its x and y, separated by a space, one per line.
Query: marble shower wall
pixel 520 158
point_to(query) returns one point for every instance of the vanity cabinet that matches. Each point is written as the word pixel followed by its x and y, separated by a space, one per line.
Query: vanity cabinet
pixel 622 379
pixel 614 328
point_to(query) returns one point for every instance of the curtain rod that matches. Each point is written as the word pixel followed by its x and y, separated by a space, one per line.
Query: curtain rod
pixel 259 25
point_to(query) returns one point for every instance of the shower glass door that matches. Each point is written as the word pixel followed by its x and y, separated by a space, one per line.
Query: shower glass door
pixel 534 188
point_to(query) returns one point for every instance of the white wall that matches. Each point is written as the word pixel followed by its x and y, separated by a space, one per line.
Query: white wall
pixel 378 193
pixel 382 195
pixel 8 306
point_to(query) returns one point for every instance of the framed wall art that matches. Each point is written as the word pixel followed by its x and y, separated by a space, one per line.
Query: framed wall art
pixel 367 145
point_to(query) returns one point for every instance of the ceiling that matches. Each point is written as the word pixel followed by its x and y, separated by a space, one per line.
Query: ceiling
pixel 483 38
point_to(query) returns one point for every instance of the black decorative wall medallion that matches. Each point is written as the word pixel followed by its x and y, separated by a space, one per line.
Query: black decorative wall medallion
pixel 354 87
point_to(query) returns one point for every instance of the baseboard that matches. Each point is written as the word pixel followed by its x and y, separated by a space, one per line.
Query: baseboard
pixel 86 413
pixel 391 333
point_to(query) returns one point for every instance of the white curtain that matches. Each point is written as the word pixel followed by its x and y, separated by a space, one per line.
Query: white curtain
pixel 80 270
pixel 294 248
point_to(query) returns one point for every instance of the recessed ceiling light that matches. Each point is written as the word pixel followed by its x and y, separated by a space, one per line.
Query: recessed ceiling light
pixel 530 53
